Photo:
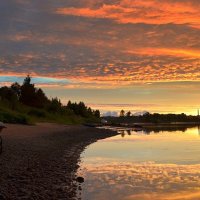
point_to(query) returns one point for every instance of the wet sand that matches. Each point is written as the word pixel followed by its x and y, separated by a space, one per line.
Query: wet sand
pixel 40 162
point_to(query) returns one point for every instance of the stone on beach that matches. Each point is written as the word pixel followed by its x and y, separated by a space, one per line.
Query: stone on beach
pixel 80 179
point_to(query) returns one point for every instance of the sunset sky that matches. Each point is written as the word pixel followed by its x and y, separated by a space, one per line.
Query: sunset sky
pixel 112 54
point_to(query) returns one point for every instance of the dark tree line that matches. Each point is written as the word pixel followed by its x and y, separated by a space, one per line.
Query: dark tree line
pixel 82 110
pixel 27 94
pixel 152 118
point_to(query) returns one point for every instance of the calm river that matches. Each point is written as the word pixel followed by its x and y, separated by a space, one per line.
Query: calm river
pixel 156 165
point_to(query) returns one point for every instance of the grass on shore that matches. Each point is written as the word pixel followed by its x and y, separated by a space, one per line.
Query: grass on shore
pixel 28 115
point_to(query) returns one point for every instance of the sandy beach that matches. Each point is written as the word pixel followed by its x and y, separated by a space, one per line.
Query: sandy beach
pixel 40 162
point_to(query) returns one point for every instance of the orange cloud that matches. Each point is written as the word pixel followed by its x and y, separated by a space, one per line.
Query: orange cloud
pixel 149 11
pixel 165 51
pixel 103 53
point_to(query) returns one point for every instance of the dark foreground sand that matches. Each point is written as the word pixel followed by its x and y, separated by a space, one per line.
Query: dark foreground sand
pixel 40 162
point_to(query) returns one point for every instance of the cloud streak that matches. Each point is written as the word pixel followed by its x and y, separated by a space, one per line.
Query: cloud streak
pixel 149 12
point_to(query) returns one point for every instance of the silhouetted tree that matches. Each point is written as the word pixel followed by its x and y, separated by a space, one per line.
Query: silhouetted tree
pixel 69 105
pixel 128 114
pixel 82 110
pixel 31 96
pixel 97 113
pixel 16 87
pixel 9 96
pixel 122 113
pixel 89 110
pixel 41 99
pixel 28 92
pixel 27 80
pixel 55 105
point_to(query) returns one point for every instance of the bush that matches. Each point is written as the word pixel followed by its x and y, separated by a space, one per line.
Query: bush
pixel 37 113
pixel 8 117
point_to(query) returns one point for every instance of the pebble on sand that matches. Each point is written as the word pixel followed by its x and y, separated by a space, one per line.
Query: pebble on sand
pixel 80 179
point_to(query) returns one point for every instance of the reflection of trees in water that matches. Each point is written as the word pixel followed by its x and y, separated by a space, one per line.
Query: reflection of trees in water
pixel 156 130
pixel 124 132
pixel 128 132
pixel 199 130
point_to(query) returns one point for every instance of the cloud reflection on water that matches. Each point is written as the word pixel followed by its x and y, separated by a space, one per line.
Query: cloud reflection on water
pixel 145 181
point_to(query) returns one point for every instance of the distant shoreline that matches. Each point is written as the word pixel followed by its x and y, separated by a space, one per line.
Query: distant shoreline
pixel 40 162
pixel 155 124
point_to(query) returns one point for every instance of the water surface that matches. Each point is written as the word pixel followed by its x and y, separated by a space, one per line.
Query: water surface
pixel 143 165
